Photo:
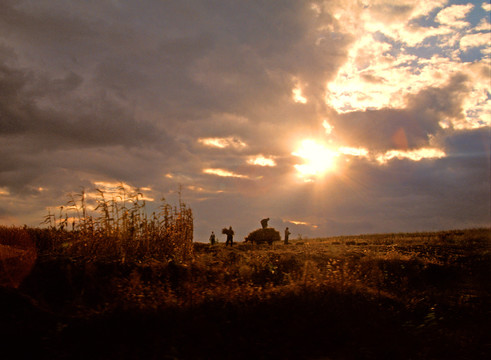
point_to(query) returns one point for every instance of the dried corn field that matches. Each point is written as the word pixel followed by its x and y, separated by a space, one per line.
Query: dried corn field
pixel 118 228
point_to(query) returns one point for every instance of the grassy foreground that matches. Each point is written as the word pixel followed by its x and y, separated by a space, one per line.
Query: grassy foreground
pixel 388 296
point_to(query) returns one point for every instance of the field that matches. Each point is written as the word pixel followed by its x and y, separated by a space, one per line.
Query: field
pixel 387 296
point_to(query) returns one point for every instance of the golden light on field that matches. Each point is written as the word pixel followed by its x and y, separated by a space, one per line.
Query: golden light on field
pixel 318 159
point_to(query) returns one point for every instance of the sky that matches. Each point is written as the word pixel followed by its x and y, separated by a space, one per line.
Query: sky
pixel 329 117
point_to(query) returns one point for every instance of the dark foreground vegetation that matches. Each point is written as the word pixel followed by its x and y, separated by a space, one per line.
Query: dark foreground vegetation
pixel 391 296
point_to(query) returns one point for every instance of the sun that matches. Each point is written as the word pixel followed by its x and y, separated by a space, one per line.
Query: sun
pixel 318 159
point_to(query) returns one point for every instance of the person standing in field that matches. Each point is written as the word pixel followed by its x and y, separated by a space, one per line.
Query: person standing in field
pixel 212 238
pixel 287 234
pixel 230 236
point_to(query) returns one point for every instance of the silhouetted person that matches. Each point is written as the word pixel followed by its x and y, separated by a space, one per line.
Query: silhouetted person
pixel 264 223
pixel 212 238
pixel 230 237
pixel 287 233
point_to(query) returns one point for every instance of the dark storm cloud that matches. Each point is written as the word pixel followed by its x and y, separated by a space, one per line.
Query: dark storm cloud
pixel 85 123
pixel 467 142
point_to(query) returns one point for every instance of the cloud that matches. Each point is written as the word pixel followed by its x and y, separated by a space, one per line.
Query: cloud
pixel 399 51
pixel 397 21
pixel 224 173
pixel 454 14
pixel 352 151
pixel 408 128
pixel 217 96
pixel 483 25
pixel 415 155
pixel 261 160
pixel 30 108
pixel 222 143
pixel 297 94
pixel 474 40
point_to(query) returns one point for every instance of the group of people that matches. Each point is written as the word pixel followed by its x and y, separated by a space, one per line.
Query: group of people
pixel 230 234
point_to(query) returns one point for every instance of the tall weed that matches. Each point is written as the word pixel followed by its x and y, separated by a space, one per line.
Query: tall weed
pixel 120 228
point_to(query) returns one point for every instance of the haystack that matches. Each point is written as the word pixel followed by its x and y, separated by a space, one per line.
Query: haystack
pixel 261 236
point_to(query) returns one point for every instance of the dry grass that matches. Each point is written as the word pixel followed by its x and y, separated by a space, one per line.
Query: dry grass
pixel 118 229
pixel 133 292
pixel 412 271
